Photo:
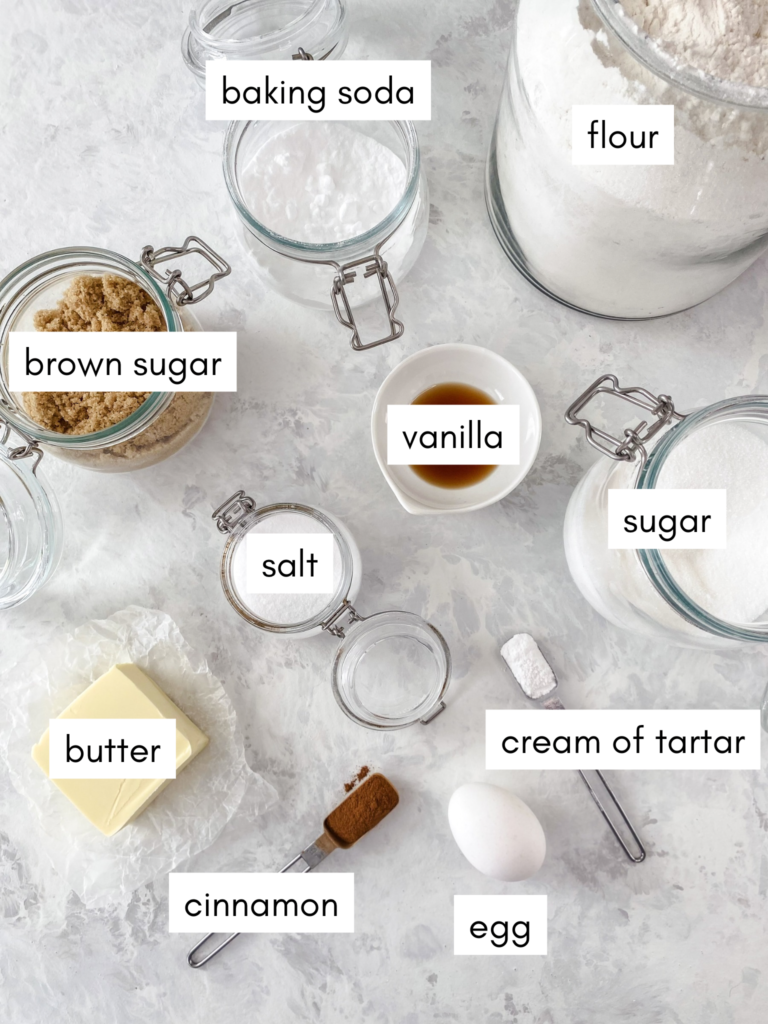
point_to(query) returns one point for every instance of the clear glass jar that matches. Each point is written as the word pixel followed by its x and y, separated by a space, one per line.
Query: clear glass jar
pixel 654 592
pixel 30 521
pixel 264 30
pixel 165 422
pixel 391 669
pixel 627 242
pixel 336 275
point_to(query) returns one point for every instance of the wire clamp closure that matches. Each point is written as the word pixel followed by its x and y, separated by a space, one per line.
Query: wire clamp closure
pixel 176 288
pixel 233 511
pixel 30 449
pixel 633 443
pixel 374 266
pixel 335 627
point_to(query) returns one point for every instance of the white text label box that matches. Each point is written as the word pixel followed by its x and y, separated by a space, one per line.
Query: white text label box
pixel 690 519
pixel 453 435
pixel 500 925
pixel 112 748
pixel 289 563
pixel 623 133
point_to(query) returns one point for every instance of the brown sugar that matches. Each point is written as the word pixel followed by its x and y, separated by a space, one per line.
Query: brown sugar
pixel 106 303
pixel 362 810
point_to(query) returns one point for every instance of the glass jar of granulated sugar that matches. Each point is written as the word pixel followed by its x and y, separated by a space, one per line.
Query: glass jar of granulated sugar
pixel 60 291
pixel 713 598
pixel 391 669
pixel 334 213
pixel 264 30
pixel 633 241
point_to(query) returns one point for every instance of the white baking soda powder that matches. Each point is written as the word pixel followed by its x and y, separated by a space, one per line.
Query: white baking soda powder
pixel 321 182
pixel 284 609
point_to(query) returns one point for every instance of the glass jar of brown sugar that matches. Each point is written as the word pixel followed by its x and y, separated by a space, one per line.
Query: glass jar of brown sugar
pixel 85 288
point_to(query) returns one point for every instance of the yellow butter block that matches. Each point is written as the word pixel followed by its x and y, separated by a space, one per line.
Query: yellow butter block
pixel 123 692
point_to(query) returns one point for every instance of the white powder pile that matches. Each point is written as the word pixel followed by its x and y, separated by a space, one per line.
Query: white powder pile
pixel 725 38
pixel 321 182
pixel 284 609
pixel 529 666
pixel 632 241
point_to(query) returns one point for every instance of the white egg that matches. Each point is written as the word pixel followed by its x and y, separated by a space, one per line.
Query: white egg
pixel 497 833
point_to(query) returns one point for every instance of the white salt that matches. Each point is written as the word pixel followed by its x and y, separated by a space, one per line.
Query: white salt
pixel 529 666
pixel 284 609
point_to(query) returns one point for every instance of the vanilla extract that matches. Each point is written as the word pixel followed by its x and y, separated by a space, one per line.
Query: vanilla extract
pixel 454 393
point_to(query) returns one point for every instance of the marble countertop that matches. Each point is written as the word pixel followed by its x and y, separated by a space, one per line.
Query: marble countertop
pixel 104 142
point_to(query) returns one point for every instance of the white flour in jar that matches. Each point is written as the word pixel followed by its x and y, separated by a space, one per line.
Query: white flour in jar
pixel 284 609
pixel 732 583
pixel 725 38
pixel 630 241
pixel 322 182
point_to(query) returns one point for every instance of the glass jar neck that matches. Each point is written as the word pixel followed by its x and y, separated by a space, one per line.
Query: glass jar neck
pixel 652 55
pixel 33 278
pixel 746 409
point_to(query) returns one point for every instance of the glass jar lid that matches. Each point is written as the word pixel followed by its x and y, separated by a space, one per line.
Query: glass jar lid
pixel 264 30
pixel 30 521
pixel 391 670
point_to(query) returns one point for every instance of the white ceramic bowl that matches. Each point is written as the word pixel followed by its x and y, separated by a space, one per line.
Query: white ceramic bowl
pixel 467 364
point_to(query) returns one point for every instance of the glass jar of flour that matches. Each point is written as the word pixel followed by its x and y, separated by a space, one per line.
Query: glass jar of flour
pixel 264 30
pixel 62 290
pixel 391 669
pixel 633 241
pixel 334 214
pixel 696 598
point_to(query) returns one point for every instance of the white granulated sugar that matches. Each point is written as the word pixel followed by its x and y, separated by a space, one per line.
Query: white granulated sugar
pixel 284 609
pixel 631 241
pixel 725 38
pixel 322 182
pixel 529 666
pixel 731 583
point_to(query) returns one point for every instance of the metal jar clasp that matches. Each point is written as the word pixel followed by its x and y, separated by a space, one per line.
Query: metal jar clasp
pixel 632 444
pixel 345 275
pixel 176 288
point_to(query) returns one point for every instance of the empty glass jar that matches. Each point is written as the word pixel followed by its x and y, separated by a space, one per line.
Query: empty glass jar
pixel 704 598
pixel 623 241
pixel 391 669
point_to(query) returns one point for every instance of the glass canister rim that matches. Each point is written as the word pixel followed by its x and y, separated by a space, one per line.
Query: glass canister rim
pixel 437 646
pixel 335 601
pixel 320 252
pixel 209 46
pixel 652 561
pixel 657 60
pixel 13 288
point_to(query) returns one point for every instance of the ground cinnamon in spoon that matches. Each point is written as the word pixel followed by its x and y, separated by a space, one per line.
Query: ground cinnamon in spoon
pixel 363 809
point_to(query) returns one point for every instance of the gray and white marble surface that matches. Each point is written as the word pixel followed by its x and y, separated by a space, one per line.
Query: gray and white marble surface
pixel 103 141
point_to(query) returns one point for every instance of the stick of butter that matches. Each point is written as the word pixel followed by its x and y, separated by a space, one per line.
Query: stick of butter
pixel 123 692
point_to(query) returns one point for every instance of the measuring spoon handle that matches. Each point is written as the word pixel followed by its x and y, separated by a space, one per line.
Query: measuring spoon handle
pixel 614 814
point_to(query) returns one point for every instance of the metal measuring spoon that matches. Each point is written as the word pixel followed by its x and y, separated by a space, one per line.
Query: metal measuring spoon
pixel 335 836
pixel 524 658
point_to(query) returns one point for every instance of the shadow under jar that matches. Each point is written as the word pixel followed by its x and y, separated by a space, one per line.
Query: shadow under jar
pixel 346 273
pixel 625 242
pixel 164 423
pixel 391 669
pixel 715 598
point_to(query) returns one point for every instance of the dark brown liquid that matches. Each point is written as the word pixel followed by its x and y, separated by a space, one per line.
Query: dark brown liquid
pixel 453 394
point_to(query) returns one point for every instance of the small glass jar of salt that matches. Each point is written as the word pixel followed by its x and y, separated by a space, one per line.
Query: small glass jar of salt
pixel 334 213
pixel 706 598
pixel 391 669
